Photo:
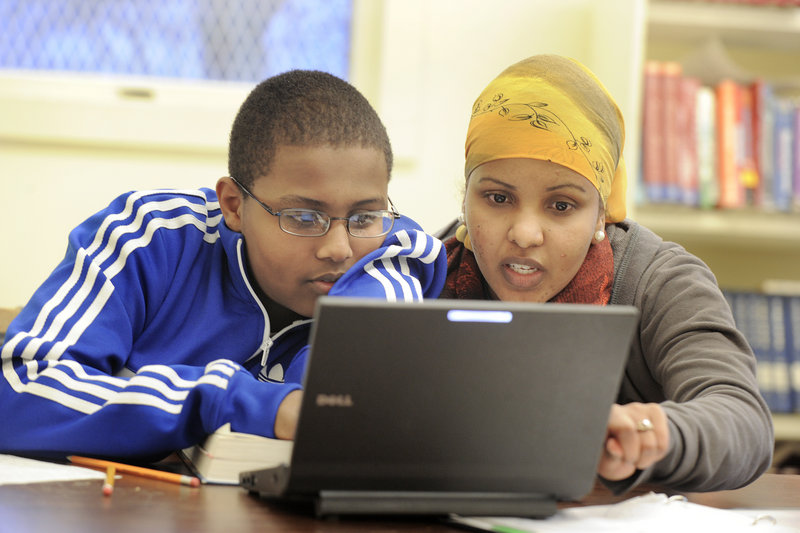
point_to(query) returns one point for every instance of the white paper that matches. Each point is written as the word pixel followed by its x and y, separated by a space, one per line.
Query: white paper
pixel 651 513
pixel 19 470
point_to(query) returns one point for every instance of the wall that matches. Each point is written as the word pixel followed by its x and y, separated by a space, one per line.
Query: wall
pixel 437 57
pixel 69 145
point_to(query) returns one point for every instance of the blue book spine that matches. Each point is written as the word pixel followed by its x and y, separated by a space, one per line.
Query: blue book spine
pixel 751 313
pixel 758 318
pixel 792 314
pixel 729 297
pixel 783 155
pixel 779 354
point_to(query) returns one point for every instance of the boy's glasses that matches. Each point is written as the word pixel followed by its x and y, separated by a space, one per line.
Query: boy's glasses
pixel 311 223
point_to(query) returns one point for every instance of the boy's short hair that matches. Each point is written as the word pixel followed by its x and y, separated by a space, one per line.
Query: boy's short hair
pixel 301 108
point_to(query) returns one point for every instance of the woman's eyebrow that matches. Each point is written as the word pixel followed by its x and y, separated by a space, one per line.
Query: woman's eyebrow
pixel 565 186
pixel 497 181
pixel 549 189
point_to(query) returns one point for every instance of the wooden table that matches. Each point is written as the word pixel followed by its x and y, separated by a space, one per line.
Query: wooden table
pixel 147 506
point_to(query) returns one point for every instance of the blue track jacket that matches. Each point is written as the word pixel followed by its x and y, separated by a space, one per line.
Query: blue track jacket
pixel 148 335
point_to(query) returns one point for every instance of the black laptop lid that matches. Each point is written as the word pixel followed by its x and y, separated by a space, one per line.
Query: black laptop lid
pixel 458 396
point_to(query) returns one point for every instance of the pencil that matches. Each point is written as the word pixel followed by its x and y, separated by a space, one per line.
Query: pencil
pixel 135 470
pixel 108 486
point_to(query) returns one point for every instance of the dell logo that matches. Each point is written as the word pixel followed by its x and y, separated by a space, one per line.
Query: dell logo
pixel 334 400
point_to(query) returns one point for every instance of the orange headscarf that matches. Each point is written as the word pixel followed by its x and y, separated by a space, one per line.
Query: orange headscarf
pixel 552 108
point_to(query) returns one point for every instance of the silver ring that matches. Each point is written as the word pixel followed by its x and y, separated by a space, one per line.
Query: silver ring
pixel 644 425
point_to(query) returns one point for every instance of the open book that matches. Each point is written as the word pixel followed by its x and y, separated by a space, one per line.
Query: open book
pixel 225 453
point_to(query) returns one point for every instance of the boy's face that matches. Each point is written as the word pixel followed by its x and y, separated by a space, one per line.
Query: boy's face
pixel 294 271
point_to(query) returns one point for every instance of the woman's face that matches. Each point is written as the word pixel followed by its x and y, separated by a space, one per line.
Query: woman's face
pixel 531 223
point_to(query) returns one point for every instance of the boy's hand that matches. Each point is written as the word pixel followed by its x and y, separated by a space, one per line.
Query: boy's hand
pixel 636 438
pixel 288 413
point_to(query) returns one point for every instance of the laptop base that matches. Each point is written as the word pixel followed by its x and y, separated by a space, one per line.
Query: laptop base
pixel 433 503
pixel 271 484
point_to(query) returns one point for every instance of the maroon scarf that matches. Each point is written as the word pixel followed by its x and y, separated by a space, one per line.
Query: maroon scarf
pixel 591 284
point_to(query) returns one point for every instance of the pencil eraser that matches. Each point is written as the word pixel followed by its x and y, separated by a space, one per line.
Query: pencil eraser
pixel 107 490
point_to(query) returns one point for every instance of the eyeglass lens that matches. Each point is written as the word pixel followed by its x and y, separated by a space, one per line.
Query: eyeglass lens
pixel 314 223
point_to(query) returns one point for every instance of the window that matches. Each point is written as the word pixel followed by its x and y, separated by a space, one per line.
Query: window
pixel 234 40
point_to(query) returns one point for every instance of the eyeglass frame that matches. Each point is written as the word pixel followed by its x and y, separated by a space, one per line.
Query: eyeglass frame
pixel 392 211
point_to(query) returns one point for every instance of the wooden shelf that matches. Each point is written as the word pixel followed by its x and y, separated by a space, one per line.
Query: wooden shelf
pixel 743 248
pixel 747 229
pixel 787 426
pixel 747 25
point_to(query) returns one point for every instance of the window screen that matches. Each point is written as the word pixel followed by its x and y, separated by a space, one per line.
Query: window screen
pixel 236 40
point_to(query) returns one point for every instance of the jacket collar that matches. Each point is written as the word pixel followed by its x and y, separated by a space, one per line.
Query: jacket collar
pixel 234 247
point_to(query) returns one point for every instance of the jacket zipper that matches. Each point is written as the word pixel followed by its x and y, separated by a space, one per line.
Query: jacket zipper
pixel 266 340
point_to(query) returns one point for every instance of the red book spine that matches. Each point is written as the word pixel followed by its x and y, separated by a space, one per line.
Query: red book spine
pixel 686 120
pixel 652 137
pixel 672 74
pixel 748 170
pixel 731 194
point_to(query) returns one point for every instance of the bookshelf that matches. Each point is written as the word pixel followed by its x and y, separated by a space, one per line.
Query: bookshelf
pixel 747 246
pixel 744 247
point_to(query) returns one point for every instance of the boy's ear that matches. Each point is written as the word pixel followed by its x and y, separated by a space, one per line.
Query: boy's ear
pixel 230 202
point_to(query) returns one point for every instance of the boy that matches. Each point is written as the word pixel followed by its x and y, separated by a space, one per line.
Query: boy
pixel 175 312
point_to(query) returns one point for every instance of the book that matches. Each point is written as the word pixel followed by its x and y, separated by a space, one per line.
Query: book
pixel 705 115
pixel 669 142
pixel 671 135
pixel 751 313
pixel 653 154
pixel 796 152
pixel 746 149
pixel 783 154
pixel 779 355
pixel 763 132
pixel 224 454
pixel 770 320
pixel 731 191
pixel 792 313
pixel 687 141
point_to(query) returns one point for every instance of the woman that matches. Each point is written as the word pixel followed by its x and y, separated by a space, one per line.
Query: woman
pixel 544 221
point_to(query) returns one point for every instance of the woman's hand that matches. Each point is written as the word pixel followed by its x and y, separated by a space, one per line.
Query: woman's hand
pixel 288 414
pixel 637 437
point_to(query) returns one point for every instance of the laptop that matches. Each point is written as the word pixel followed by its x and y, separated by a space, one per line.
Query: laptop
pixel 452 406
